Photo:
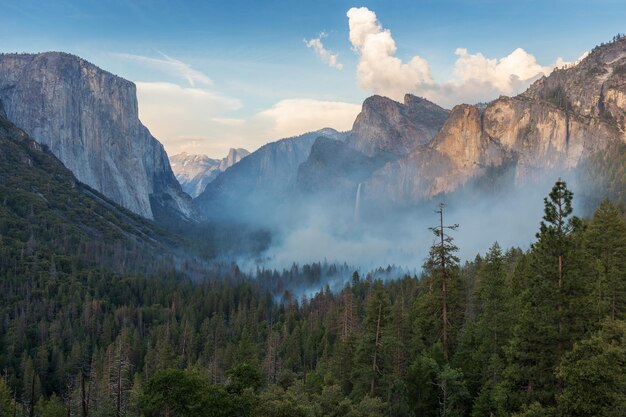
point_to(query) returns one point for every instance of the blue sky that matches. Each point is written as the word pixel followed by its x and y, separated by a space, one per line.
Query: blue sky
pixel 238 73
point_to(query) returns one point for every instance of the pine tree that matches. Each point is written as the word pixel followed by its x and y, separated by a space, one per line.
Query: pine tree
pixel 553 304
pixel 440 306
pixel 371 358
pixel 594 373
pixel 606 242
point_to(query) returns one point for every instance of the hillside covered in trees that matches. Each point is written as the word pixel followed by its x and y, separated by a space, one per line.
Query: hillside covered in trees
pixel 526 333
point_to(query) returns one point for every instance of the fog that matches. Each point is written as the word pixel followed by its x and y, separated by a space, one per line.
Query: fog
pixel 322 228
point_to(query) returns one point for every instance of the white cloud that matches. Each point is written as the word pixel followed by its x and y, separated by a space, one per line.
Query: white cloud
pixel 182 117
pixel 328 57
pixel 197 121
pixel 296 116
pixel 379 70
pixel 476 78
pixel 173 67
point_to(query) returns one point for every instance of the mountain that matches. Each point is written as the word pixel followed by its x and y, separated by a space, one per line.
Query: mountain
pixel 267 175
pixel 194 172
pixel 385 126
pixel 334 162
pixel 558 122
pixel 89 119
pixel 384 131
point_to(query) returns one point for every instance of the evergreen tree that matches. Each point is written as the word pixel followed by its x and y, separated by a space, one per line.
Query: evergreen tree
pixel 553 304
pixel 440 305
pixel 605 239
pixel 594 374
pixel 372 360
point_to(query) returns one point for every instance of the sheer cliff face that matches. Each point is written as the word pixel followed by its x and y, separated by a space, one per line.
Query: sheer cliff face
pixel 89 120
pixel 558 121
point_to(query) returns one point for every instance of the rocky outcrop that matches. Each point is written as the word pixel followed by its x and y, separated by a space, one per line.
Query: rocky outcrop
pixel 596 87
pixel 385 126
pixel 334 167
pixel 194 172
pixel 89 120
pixel 404 153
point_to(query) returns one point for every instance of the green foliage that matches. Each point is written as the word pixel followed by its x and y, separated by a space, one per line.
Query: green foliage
pixel 52 407
pixel 594 374
pixel 242 376
pixel 605 239
pixel 558 97
pixel 184 394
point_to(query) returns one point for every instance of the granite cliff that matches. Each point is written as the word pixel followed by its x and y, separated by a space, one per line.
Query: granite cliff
pixel 89 120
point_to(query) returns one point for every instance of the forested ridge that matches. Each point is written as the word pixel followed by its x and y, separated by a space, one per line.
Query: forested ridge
pixel 94 323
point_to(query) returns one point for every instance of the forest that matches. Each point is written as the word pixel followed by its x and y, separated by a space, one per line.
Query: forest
pixel 540 332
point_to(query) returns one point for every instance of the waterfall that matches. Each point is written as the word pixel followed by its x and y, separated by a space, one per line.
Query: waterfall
pixel 357 205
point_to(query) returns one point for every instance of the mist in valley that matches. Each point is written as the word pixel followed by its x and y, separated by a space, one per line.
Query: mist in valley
pixel 368 234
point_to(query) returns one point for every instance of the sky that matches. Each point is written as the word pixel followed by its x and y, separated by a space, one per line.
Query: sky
pixel 217 74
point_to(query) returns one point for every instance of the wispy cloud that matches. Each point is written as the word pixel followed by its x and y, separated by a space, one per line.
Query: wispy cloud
pixel 172 66
pixel 328 57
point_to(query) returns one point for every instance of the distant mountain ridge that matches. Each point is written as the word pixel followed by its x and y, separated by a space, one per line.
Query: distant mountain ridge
pixel 194 172
pixel 401 153
pixel 407 153
pixel 89 120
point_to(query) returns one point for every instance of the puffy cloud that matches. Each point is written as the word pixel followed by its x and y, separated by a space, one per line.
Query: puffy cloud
pixel 197 119
pixel 505 74
pixel 379 70
pixel 324 54
pixel 476 77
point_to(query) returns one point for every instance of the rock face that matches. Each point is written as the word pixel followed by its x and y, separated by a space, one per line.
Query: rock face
pixel 269 173
pixel 551 127
pixel 89 120
pixel 385 126
pixel 194 172
pixel 333 162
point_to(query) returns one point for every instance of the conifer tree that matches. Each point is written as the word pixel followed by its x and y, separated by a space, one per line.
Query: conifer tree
pixel 440 306
pixel 553 304
pixel 372 359
pixel 605 240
